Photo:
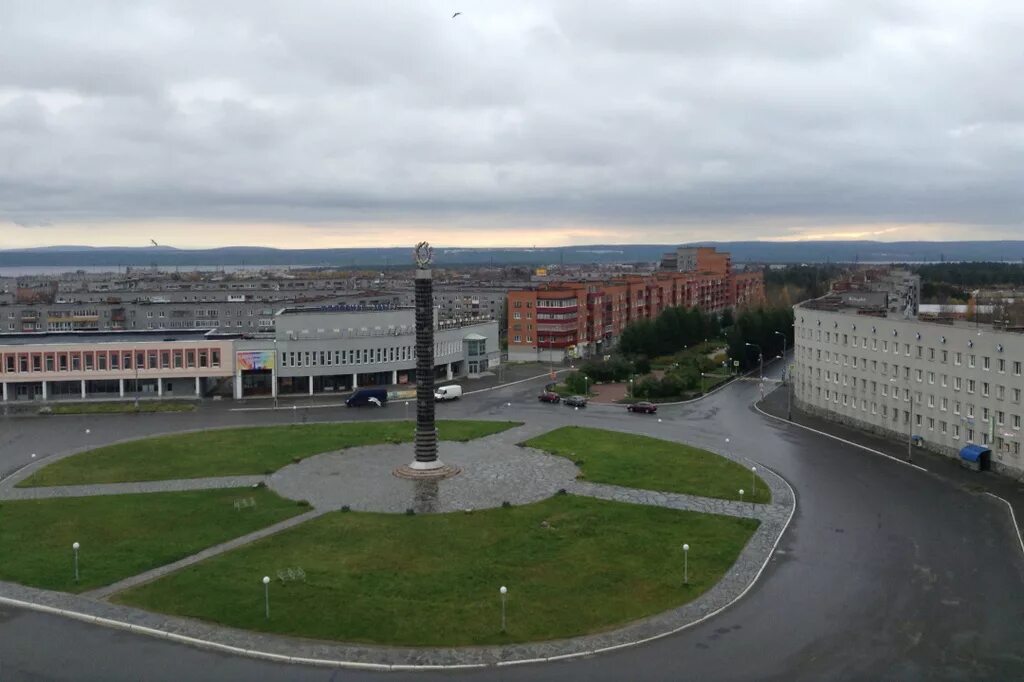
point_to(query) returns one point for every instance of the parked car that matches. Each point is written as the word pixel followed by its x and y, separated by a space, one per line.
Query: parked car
pixel 368 396
pixel 645 407
pixel 452 392
pixel 575 401
pixel 549 397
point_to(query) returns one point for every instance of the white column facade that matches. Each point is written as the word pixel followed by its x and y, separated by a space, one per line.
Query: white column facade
pixel 45 397
pixel 120 387
pixel 311 384
pixel 83 389
pixel 199 391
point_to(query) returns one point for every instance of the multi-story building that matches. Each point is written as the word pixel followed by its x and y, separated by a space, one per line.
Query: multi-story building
pixel 311 350
pixel 871 365
pixel 556 320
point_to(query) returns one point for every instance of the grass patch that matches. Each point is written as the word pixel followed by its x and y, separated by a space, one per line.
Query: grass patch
pixel 235 452
pixel 650 463
pixel 433 579
pixel 122 535
pixel 119 407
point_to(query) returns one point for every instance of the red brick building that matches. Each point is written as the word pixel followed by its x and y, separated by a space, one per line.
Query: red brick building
pixel 579 319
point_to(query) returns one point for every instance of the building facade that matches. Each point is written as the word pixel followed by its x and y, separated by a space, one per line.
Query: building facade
pixel 312 350
pixel 554 321
pixel 945 385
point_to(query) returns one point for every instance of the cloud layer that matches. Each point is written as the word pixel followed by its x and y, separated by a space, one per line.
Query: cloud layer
pixel 628 120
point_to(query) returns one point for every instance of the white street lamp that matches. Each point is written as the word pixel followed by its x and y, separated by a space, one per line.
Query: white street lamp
pixel 74 548
pixel 266 596
pixel 753 480
pixel 504 598
pixel 686 566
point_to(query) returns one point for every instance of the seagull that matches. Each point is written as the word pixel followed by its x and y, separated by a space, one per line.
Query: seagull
pixel 153 242
pixel 456 14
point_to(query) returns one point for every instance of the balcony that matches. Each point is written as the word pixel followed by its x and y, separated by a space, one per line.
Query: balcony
pixel 556 327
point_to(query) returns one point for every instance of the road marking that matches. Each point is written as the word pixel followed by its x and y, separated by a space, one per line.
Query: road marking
pixel 1013 517
pixel 841 440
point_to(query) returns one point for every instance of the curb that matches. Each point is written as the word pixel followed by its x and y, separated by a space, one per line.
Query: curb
pixel 1013 518
pixel 840 439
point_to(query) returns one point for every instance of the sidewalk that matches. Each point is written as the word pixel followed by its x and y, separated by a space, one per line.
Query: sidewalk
pixel 948 468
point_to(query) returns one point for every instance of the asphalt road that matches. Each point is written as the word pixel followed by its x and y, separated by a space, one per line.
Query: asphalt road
pixel 885 573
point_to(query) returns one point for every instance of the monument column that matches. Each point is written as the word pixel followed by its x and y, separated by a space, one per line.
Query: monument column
pixel 426 464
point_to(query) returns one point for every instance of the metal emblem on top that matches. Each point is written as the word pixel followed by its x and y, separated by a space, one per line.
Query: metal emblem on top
pixel 424 255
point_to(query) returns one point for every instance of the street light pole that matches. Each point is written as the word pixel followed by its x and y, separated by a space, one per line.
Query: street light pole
pixel 760 354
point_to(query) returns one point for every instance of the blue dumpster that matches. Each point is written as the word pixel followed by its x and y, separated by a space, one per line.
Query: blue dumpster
pixel 976 457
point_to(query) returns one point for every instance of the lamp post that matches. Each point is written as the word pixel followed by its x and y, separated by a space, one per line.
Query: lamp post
pixel 74 548
pixel 760 355
pixel 266 596
pixel 686 562
pixel 504 598
pixel 910 434
pixel 753 480
pixel 702 383
pixel 783 344
pixel 586 385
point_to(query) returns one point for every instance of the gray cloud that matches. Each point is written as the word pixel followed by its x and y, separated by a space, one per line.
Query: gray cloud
pixel 590 112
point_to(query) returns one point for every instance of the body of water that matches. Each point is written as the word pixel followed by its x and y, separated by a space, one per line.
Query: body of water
pixel 36 270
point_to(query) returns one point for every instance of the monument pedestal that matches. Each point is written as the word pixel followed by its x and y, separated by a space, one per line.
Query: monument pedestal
pixel 433 471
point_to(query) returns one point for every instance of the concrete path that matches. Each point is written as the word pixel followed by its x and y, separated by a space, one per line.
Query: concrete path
pixel 160 571
pixel 177 485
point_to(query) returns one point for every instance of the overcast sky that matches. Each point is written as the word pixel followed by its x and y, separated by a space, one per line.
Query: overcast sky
pixel 378 123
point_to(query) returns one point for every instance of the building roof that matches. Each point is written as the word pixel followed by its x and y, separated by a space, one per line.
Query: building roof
pixel 126 336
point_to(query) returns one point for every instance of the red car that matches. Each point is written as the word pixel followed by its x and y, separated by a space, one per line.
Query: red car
pixel 549 397
pixel 646 408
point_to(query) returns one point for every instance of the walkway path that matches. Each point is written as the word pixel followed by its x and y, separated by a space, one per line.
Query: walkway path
pixel 495 468
pixel 9 492
pixel 160 571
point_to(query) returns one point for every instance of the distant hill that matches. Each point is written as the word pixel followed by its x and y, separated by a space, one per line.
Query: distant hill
pixel 759 252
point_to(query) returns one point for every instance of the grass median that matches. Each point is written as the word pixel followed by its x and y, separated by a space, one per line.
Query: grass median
pixel 651 464
pixel 235 452
pixel 572 565
pixel 123 535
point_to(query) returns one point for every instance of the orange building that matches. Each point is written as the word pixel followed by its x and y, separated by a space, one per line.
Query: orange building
pixel 579 319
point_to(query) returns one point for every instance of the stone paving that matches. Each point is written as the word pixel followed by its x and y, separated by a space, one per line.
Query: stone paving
pixel 494 469
pixel 493 472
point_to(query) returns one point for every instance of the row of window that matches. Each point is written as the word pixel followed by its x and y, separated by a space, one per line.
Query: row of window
pixel 920 352
pixel 362 356
pixel 114 360
pixel 1003 442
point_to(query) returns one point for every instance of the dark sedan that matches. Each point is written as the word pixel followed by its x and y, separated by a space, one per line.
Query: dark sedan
pixel 549 397
pixel 646 408
pixel 575 401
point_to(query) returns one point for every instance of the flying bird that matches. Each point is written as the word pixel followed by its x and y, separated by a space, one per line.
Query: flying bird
pixel 153 242
pixel 456 14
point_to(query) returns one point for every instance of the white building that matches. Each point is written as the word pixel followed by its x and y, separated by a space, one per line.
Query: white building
pixel 947 385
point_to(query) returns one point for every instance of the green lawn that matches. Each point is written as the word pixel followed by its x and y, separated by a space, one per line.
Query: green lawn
pixel 233 452
pixel 432 580
pixel 650 463
pixel 122 535
pixel 118 407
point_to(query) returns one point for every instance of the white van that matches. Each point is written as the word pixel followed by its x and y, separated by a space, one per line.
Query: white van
pixel 453 392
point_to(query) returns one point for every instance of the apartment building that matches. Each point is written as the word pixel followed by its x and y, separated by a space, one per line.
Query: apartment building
pixel 946 385
pixel 558 320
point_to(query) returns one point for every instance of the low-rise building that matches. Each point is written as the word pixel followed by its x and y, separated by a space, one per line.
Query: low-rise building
pixel 311 350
